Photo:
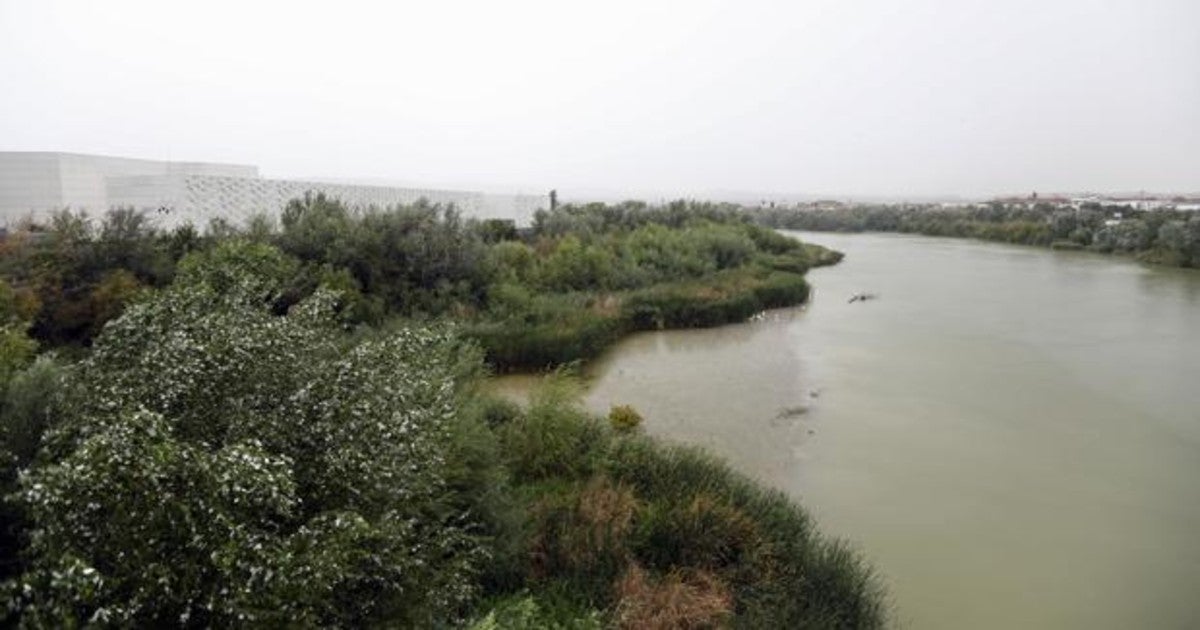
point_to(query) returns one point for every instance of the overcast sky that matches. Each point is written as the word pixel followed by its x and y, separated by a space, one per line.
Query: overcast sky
pixel 841 97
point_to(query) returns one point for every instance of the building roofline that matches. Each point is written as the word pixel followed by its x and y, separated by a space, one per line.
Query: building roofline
pixel 122 157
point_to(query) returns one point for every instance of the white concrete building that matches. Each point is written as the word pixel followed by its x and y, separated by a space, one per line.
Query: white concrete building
pixel 35 183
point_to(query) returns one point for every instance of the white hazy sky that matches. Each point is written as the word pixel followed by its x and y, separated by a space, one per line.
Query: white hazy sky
pixel 841 97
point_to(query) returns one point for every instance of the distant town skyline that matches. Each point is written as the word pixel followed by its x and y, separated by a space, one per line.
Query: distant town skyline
pixel 870 100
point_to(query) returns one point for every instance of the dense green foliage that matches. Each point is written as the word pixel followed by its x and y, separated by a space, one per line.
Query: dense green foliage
pixel 211 462
pixel 1160 236
pixel 582 277
pixel 262 441
pixel 594 273
pixel 73 275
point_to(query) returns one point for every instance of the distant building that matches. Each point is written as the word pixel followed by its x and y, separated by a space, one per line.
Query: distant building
pixel 1137 203
pixel 33 184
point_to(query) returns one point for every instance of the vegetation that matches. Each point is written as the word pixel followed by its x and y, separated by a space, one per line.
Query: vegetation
pixel 211 462
pixel 659 536
pixel 579 280
pixel 285 426
pixel 1160 236
pixel 624 418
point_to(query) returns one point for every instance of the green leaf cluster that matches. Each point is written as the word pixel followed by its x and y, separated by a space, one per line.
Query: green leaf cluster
pixel 214 463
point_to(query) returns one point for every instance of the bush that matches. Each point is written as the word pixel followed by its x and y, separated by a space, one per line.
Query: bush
pixel 624 418
pixel 25 412
pixel 16 351
pixel 554 439
pixel 28 407
pixel 217 464
pixel 522 612
pixel 496 411
pixel 545 343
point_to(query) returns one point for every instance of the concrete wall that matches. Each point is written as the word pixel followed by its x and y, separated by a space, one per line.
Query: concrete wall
pixel 177 199
pixel 179 192
pixel 34 183
pixel 30 184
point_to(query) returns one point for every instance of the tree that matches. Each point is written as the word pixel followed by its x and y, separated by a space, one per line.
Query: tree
pixel 215 463
pixel 1192 237
pixel 16 348
pixel 1063 223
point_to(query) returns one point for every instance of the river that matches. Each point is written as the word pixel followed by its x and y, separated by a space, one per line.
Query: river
pixel 1011 435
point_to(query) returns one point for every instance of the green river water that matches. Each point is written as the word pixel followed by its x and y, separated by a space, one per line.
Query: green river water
pixel 1010 434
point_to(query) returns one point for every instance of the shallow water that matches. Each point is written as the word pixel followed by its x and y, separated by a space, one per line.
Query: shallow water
pixel 1010 434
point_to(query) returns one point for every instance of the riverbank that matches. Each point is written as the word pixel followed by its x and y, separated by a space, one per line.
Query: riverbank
pixel 631 531
pixel 1163 237
pixel 372 481
pixel 1074 495
pixel 559 329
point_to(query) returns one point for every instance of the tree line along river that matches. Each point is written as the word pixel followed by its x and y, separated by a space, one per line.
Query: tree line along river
pixel 1010 434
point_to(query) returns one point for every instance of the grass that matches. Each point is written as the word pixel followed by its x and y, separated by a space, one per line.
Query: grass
pixel 650 535
pixel 559 328
pixel 679 599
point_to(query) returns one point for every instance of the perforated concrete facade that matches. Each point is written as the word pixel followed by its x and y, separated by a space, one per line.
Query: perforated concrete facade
pixel 33 184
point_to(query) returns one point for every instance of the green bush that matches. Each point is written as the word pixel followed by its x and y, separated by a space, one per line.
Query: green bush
pixel 496 411
pixel 516 343
pixel 219 464
pixel 26 410
pixel 16 351
pixel 527 612
pixel 624 418
pixel 554 439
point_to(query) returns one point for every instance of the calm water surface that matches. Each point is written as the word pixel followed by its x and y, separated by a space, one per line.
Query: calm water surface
pixel 1012 435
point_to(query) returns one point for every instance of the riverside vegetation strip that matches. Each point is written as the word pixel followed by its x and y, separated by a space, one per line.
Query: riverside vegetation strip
pixel 267 425
pixel 1166 237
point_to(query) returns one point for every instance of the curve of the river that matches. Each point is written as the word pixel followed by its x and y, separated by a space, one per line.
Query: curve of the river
pixel 1010 434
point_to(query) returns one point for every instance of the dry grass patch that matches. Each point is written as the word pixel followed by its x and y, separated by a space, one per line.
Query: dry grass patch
pixel 681 599
pixel 588 531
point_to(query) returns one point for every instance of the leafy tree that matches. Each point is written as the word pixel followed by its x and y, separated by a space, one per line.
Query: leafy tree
pixel 574 266
pixel 109 297
pixel 16 351
pixel 421 258
pixel 1191 240
pixel 215 464
pixel 26 409
pixel 16 348
pixel 252 271
pixel 1063 223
